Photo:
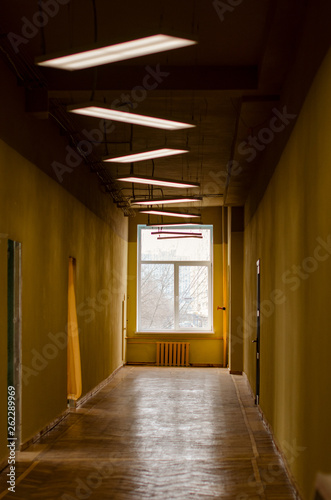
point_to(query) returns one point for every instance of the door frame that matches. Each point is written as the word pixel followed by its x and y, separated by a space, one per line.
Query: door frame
pixel 14 329
pixel 258 324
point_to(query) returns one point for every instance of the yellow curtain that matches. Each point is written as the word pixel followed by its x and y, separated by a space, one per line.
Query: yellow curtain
pixel 74 372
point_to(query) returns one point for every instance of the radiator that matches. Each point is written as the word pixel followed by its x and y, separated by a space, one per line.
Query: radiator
pixel 172 353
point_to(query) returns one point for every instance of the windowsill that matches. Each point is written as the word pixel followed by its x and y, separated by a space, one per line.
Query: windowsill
pixel 177 333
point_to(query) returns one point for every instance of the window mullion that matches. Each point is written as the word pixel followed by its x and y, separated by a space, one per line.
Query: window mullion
pixel 138 290
pixel 176 291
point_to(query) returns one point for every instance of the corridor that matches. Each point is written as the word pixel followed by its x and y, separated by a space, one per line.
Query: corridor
pixel 162 433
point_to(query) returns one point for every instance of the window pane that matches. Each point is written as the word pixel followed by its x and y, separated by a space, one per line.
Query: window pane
pixel 157 297
pixel 193 297
pixel 194 249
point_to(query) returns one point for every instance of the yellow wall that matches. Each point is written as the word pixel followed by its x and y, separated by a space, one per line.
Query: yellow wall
pixel 236 302
pixel 291 227
pixel 52 225
pixel 209 350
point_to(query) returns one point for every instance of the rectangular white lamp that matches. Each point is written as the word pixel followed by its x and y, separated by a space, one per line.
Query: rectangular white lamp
pixel 170 214
pixel 165 201
pixel 177 237
pixel 174 224
pixel 155 181
pixel 88 58
pixel 176 233
pixel 107 113
pixel 145 155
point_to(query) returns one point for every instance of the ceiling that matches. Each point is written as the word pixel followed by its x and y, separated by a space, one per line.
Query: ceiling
pixel 227 84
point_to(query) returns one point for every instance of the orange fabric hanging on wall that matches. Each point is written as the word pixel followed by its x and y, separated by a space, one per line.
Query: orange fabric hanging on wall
pixel 74 372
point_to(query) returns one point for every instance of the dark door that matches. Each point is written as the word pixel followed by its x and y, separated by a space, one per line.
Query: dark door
pixel 14 338
pixel 258 335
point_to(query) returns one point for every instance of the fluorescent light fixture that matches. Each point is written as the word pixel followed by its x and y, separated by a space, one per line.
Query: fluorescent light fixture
pixel 113 53
pixel 177 232
pixel 146 155
pixel 178 237
pixel 165 201
pixel 155 181
pixel 107 113
pixel 170 214
pixel 174 224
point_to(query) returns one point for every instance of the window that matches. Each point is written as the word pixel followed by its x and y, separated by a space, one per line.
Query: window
pixel 174 281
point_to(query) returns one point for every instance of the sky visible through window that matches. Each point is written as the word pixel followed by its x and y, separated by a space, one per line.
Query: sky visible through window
pixel 189 249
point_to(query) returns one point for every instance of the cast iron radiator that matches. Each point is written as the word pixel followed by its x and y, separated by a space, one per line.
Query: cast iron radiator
pixel 172 353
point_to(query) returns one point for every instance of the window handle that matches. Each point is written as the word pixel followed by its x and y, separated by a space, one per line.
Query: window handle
pixel 222 308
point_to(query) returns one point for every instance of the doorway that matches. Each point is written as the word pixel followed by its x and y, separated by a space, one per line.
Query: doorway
pixel 257 340
pixel 14 330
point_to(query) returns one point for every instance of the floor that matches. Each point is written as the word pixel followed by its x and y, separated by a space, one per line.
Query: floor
pixel 161 433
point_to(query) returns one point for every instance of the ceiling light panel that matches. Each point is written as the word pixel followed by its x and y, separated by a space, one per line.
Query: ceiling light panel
pixel 145 155
pixel 107 113
pixel 169 214
pixel 177 237
pixel 155 181
pixel 174 224
pixel 177 233
pixel 113 53
pixel 165 201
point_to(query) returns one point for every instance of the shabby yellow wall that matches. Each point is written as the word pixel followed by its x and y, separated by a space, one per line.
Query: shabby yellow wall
pixel 209 348
pixel 291 234
pixel 52 225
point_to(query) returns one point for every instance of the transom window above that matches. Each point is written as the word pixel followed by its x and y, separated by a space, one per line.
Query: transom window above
pixel 174 279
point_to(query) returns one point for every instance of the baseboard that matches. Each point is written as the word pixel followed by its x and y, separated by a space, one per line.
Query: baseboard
pixel 44 431
pixel 248 385
pixel 282 455
pixel 81 401
pixel 235 372
pixel 140 363
pixel 206 365
pixel 194 365
pixel 278 448
pixel 97 388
